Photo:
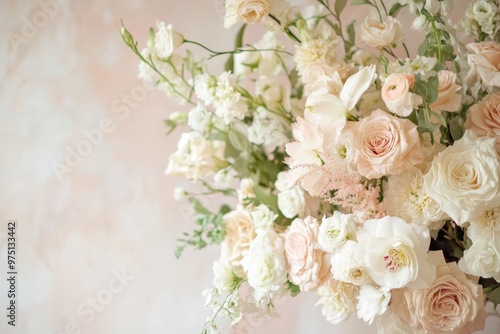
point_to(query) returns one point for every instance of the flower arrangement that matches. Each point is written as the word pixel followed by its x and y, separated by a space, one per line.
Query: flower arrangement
pixel 354 170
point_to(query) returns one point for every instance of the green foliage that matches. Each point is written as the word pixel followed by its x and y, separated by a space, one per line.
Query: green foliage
pixel 360 2
pixel 491 290
pixel 428 90
pixel 339 6
pixel 229 66
pixel 294 289
pixel 395 9
pixel 210 230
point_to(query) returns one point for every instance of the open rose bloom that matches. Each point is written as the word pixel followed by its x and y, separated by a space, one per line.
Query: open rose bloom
pixel 353 169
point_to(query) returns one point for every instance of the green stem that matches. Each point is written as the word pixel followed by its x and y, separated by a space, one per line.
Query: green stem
pixel 438 40
pixel 286 29
pixel 218 53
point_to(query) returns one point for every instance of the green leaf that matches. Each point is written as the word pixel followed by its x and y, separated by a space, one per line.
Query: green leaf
pixel 351 32
pixel 238 140
pixel 457 128
pixel 339 6
pixel 294 289
pixel 171 125
pixel 264 196
pixel 395 9
pixel 360 2
pixel 198 207
pixel 428 90
pixel 424 123
pixel 494 296
pixel 127 36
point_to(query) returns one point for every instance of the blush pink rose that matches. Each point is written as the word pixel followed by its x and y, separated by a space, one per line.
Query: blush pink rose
pixel 484 118
pixel 485 57
pixel 448 99
pixel 307 265
pixel 397 96
pixel 385 145
pixel 454 303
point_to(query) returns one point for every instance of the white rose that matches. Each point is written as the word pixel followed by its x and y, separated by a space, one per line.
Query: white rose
pixel 347 267
pixel 247 11
pixel 336 230
pixel 380 34
pixel 167 40
pixel 338 300
pixel 265 265
pixel 372 302
pixel 463 178
pixel 291 202
pixel 395 253
pixel 482 259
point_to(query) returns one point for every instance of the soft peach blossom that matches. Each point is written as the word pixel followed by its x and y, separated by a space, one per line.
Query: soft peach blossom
pixel 380 34
pixel 239 234
pixel 397 96
pixel 485 57
pixel 448 99
pixel 454 303
pixel 307 265
pixel 484 118
pixel 385 145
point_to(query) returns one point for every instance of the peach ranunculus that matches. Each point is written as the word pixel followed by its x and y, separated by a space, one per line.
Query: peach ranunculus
pixel 484 118
pixel 380 34
pixel 397 96
pixel 485 57
pixel 448 99
pixel 239 234
pixel 385 145
pixel 247 11
pixel 307 265
pixel 454 303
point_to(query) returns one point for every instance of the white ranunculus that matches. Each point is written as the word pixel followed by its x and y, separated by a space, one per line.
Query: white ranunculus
pixel 395 253
pixel 167 40
pixel 463 178
pixel 265 265
pixel 336 230
pixel 372 302
pixel 291 202
pixel 247 11
pixel 482 259
pixel 380 34
pixel 338 300
pixel 348 267
pixel 263 218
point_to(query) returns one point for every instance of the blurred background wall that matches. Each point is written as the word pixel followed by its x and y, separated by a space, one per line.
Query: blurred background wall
pixel 96 238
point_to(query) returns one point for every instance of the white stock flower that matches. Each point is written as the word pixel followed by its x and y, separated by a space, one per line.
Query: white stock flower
pixel 263 218
pixel 224 179
pixel 227 100
pixel 265 264
pixel 167 40
pixel 204 87
pixel 482 259
pixel 267 129
pixel 372 302
pixel 196 157
pixel 199 119
pixel 463 178
pixel 338 300
pixel 395 253
pixel 405 197
pixel 336 230
pixel 348 267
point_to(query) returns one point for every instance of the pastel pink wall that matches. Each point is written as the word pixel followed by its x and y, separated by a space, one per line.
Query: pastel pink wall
pixel 105 230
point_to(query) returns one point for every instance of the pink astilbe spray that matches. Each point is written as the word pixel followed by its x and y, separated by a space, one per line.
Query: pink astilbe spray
pixel 340 187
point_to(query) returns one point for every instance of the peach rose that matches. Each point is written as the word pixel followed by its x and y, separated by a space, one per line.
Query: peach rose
pixel 448 99
pixel 248 11
pixel 485 57
pixel 397 96
pixel 484 118
pixel 454 303
pixel 307 265
pixel 380 34
pixel 239 234
pixel 385 145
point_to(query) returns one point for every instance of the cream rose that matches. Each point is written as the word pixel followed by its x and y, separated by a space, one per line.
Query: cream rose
pixel 484 118
pixel 338 300
pixel 452 304
pixel 248 11
pixel 485 57
pixel 448 99
pixel 463 178
pixel 239 234
pixel 380 34
pixel 397 96
pixel 307 265
pixel 385 145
